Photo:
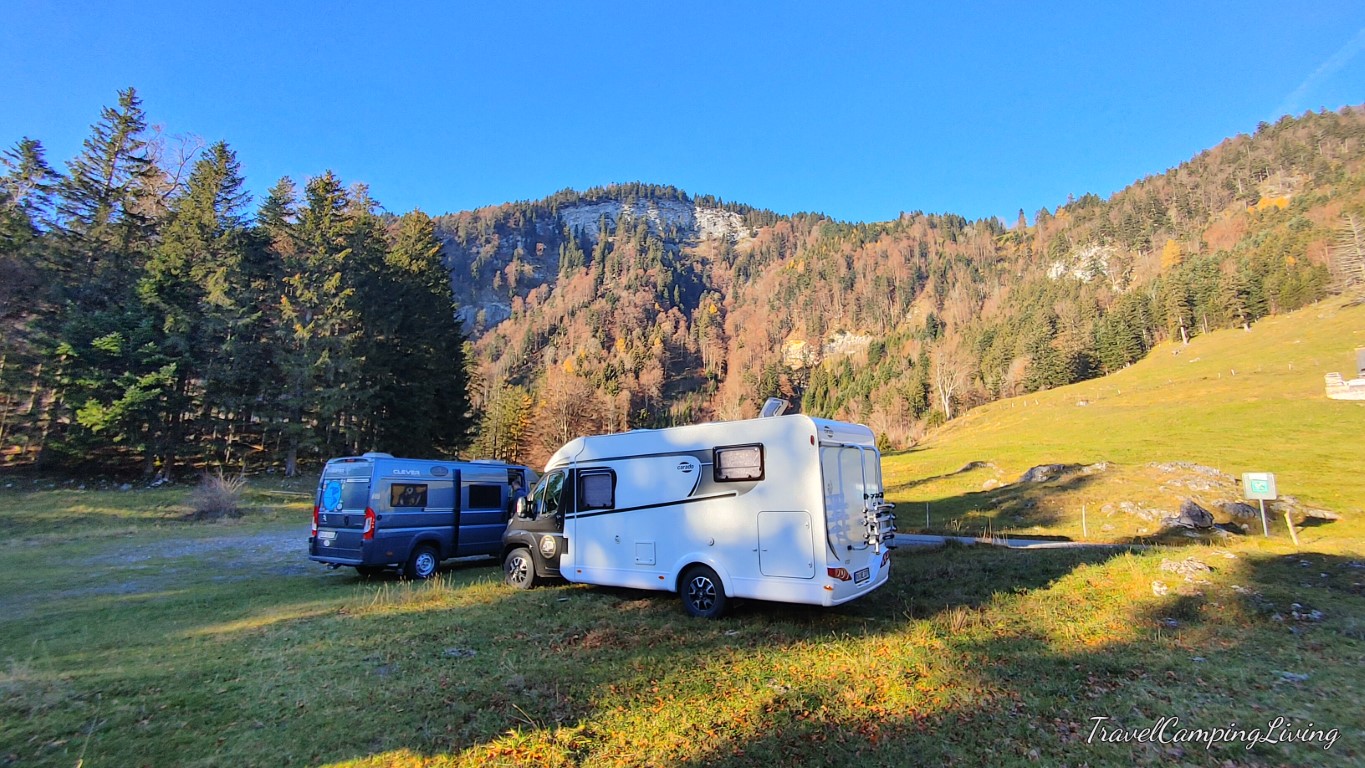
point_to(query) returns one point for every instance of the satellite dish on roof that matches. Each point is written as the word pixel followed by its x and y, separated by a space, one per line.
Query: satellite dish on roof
pixel 774 406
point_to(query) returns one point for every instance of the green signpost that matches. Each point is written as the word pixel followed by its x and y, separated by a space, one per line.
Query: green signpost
pixel 1260 486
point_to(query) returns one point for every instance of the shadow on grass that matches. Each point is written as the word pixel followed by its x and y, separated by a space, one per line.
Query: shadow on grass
pixel 990 512
pixel 968 655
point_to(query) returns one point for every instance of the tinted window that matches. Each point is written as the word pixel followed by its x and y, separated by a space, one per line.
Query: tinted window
pixel 737 463
pixel 597 490
pixel 355 495
pixel 408 495
pixel 485 497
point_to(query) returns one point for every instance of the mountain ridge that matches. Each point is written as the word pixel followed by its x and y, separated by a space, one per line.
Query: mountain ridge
pixel 661 320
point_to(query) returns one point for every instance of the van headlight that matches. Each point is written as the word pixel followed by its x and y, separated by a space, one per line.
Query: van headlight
pixel 548 546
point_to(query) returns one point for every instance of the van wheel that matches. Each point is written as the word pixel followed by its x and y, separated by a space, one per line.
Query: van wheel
pixel 702 593
pixel 422 564
pixel 519 570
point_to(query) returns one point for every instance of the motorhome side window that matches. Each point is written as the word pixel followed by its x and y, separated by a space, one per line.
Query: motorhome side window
pixel 408 495
pixel 738 463
pixel 597 489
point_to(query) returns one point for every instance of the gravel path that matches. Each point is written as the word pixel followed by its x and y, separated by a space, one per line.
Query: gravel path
pixel 132 565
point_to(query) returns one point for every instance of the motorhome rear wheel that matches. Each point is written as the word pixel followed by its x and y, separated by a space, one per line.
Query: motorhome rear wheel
pixel 703 595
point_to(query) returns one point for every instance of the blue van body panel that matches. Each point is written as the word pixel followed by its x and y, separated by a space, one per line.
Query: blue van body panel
pixel 458 508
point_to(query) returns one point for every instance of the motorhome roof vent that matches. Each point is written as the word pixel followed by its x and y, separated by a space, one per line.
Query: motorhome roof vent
pixel 377 455
pixel 774 406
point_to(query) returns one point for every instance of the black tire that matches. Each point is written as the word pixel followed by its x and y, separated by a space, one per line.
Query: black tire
pixel 518 569
pixel 369 571
pixel 703 594
pixel 423 563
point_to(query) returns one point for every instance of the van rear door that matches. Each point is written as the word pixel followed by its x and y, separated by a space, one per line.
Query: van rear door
pixel 341 517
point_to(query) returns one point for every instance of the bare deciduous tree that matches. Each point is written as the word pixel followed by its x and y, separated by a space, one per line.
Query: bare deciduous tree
pixel 1348 254
pixel 952 371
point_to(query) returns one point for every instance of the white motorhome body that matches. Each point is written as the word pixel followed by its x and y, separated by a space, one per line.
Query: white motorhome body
pixel 785 508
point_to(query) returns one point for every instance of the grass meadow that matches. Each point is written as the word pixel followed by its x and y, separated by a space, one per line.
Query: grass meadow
pixel 131 635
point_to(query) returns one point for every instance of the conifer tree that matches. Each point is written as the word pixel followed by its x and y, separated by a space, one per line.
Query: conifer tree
pixel 414 348
pixel 194 286
pixel 316 321
pixel 108 369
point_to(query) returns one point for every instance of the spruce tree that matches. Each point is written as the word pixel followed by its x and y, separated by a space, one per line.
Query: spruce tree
pixel 109 373
pixel 316 323
pixel 195 287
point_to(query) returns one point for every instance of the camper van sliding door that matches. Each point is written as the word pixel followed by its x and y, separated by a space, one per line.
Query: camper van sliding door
pixel 483 516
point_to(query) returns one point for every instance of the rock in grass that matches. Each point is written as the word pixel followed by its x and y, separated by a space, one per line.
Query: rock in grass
pixel 1191 516
pixel 1239 509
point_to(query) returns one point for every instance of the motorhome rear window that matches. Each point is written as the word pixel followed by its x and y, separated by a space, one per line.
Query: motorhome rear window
pixel 408 495
pixel 597 490
pixel 737 463
pixel 485 496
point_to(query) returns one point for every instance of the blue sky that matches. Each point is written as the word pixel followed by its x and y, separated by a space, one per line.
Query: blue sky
pixel 858 110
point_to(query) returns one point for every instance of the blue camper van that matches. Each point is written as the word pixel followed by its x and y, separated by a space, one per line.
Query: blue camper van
pixel 377 512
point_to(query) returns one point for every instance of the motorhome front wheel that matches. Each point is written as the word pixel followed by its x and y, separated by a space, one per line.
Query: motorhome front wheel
pixel 518 570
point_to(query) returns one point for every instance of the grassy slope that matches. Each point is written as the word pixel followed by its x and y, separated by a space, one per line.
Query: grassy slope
pixel 130 637
pixel 1238 401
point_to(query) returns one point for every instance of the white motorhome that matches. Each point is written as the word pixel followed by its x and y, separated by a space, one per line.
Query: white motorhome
pixel 783 508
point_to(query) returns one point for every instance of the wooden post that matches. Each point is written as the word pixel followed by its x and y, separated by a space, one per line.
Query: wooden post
pixel 1292 533
pixel 1084 533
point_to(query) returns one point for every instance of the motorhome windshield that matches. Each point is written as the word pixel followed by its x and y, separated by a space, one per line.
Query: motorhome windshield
pixel 544 501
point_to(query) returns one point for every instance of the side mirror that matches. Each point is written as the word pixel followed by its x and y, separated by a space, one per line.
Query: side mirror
pixel 520 507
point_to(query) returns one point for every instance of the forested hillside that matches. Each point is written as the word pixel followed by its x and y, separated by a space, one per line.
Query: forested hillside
pixel 632 322
pixel 152 315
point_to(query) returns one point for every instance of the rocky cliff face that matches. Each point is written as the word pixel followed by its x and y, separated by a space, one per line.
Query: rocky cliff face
pixel 690 221
pixel 497 256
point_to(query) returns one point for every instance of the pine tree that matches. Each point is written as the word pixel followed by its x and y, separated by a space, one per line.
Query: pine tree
pixel 25 211
pixel 316 323
pixel 195 287
pixel 108 369
pixel 414 348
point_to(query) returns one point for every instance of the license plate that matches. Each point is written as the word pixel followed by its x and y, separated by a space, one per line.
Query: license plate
pixel 327 535
pixel 862 575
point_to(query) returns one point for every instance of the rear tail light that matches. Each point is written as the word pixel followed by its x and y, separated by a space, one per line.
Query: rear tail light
pixel 315 521
pixel 367 533
pixel 841 574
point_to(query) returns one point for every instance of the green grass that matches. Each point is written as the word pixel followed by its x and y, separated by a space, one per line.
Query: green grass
pixel 1237 401
pixel 132 636
pixel 196 645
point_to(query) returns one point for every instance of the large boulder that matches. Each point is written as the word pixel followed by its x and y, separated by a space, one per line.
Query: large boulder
pixel 1044 472
pixel 1191 516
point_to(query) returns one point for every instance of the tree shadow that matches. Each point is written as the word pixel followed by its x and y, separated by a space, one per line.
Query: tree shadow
pixel 968 655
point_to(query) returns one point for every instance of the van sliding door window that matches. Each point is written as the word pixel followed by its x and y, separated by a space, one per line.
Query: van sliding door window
pixel 738 463
pixel 485 497
pixel 597 490
pixel 408 495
